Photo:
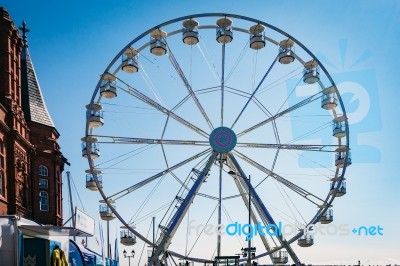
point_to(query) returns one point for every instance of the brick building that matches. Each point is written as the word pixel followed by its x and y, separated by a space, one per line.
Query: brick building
pixel 31 162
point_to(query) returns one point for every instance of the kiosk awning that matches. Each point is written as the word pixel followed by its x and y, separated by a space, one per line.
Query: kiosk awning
pixel 51 230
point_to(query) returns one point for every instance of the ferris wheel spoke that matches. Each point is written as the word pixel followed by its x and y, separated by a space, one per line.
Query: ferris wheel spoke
pixel 132 188
pixel 165 238
pixel 295 188
pixel 179 71
pixel 301 147
pixel 128 140
pixel 254 92
pixel 263 211
pixel 140 96
pixel 286 111
pixel 222 86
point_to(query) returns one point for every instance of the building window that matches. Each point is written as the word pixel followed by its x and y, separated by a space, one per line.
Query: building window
pixel 43 183
pixel 58 186
pixel 2 154
pixel 43 170
pixel 1 184
pixel 43 201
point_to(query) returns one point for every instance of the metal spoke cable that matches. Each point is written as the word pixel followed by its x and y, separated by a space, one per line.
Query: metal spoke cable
pixel 321 165
pixel 311 132
pixel 191 67
pixel 150 214
pixel 178 105
pixel 288 110
pixel 77 194
pixel 306 119
pixel 280 189
pixel 124 126
pixel 320 174
pixel 181 74
pixel 281 214
pixel 209 218
pixel 146 181
pixel 205 92
pixel 146 200
pixel 125 112
pixel 272 168
pixel 262 107
pixel 212 256
pixel 240 92
pixel 135 215
pixel 280 81
pixel 198 92
pixel 151 86
pixel 123 155
pixel 209 89
pixel 290 94
pixel 255 91
pixel 127 106
pixel 138 95
pixel 242 243
pixel 240 57
pixel 236 93
pixel 144 244
pixel 299 190
pixel 166 163
pixel 211 65
pixel 253 74
pixel 158 68
pixel 130 157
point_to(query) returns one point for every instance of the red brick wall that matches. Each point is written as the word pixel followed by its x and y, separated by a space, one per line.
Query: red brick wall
pixel 26 146
pixel 48 155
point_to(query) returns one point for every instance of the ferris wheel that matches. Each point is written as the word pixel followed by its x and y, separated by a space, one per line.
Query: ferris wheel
pixel 214 121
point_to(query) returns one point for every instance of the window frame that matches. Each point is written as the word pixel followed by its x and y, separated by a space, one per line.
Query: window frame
pixel 43 196
pixel 1 183
pixel 45 183
pixel 43 170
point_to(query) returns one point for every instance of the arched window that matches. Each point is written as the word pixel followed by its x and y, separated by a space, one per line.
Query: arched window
pixel 43 171
pixel 43 201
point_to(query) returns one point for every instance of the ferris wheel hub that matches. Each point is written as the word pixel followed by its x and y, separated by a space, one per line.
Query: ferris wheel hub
pixel 223 139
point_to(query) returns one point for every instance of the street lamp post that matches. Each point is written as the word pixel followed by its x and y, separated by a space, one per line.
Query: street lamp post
pixel 129 256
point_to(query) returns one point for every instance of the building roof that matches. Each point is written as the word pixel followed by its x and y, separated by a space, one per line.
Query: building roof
pixel 33 103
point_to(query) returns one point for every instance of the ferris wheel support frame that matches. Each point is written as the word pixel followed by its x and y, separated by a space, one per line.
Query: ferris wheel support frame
pixel 264 211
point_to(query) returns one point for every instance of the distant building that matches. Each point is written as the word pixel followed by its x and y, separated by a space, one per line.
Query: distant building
pixel 31 163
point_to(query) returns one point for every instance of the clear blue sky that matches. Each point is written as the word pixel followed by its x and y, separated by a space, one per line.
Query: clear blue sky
pixel 72 42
